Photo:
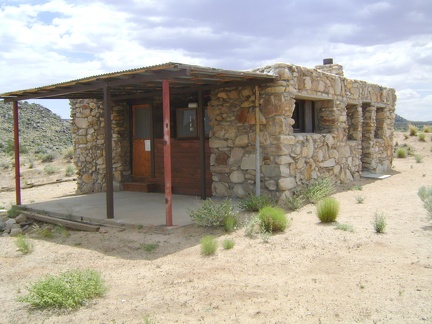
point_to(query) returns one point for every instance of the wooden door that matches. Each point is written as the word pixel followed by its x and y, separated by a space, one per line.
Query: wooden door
pixel 142 141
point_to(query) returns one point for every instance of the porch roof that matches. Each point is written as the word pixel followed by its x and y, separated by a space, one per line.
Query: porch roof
pixel 142 82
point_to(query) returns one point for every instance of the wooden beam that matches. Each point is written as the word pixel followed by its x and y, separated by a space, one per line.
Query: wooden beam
pixel 63 222
pixel 69 89
pixel 17 154
pixel 201 134
pixel 167 151
pixel 108 153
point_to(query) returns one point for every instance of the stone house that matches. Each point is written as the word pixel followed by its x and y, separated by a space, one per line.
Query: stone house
pixel 312 123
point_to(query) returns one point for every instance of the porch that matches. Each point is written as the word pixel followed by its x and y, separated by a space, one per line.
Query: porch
pixel 131 209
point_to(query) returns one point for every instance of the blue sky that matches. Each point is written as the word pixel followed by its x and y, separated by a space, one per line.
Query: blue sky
pixel 387 42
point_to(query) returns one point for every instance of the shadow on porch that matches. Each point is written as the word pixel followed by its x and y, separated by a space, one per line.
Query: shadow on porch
pixel 130 209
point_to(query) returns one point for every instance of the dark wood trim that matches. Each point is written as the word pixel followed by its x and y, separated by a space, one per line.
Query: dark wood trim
pixel 201 134
pixel 108 153
pixel 17 154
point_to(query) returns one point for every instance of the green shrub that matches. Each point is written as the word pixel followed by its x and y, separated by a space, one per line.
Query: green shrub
pixel 254 203
pixel 412 129
pixel 68 290
pixel 379 223
pixel 149 247
pixel 425 193
pixel 422 137
pixel 228 244
pixel 356 187
pixel 230 222
pixel 208 245
pixel 212 214
pixel 344 227
pixel 50 169
pixel 328 210
pixel 427 129
pixel 418 158
pixel 401 153
pixel 273 219
pixel 14 211
pixel 69 170
pixel 23 244
pixel 360 199
pixel 68 153
pixel 295 201
pixel 320 189
pixel 253 226
pixel 47 157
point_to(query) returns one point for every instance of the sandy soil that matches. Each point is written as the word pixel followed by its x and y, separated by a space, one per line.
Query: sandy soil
pixel 312 273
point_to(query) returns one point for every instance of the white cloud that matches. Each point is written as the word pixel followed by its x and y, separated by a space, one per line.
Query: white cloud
pixel 50 41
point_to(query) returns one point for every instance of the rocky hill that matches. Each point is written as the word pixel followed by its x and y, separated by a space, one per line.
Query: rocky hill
pixel 40 129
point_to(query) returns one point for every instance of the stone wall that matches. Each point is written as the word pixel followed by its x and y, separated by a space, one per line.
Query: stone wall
pixel 354 131
pixel 89 144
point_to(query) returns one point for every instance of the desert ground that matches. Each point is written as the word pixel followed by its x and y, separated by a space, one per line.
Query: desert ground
pixel 311 273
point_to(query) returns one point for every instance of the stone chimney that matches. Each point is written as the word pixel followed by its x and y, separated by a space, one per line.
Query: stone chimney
pixel 329 67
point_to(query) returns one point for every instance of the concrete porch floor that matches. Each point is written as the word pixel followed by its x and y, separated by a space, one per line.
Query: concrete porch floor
pixel 130 208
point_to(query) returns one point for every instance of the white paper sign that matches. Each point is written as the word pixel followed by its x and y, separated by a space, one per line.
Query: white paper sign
pixel 147 145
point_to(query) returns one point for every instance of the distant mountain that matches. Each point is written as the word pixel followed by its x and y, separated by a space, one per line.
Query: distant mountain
pixel 40 129
pixel 402 123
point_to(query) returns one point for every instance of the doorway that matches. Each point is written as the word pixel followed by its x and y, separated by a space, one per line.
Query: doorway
pixel 142 141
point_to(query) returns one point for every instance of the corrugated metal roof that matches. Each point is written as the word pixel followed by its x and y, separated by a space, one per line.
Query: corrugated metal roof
pixel 140 82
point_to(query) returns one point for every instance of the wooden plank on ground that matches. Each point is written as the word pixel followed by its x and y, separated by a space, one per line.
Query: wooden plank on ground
pixel 63 222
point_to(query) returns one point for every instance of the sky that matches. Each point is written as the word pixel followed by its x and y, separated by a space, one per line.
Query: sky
pixel 387 42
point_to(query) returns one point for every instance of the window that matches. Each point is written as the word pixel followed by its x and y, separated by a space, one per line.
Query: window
pixel 186 122
pixel 304 116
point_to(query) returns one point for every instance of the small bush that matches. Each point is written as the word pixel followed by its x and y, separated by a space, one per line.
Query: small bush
pixel 425 193
pixel 356 187
pixel 149 247
pixel 320 189
pixel 412 129
pixel 47 157
pixel 69 170
pixel 254 203
pixel 23 244
pixel 422 137
pixel 418 158
pixel 208 245
pixel 427 129
pixel 253 226
pixel 401 153
pixel 44 232
pixel 68 153
pixel 328 210
pixel 50 169
pixel 273 219
pixel 296 201
pixel 230 222
pixel 14 211
pixel 5 164
pixel 228 244
pixel 379 223
pixel 212 214
pixel 344 227
pixel 68 290
pixel 360 199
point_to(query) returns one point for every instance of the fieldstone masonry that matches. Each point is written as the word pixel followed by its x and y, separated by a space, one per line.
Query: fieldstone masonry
pixel 89 139
pixel 353 131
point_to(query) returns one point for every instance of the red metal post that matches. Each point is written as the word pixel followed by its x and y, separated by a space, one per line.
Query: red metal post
pixel 167 151
pixel 17 154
